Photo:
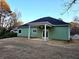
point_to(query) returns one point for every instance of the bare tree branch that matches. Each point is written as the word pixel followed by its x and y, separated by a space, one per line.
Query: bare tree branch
pixel 70 5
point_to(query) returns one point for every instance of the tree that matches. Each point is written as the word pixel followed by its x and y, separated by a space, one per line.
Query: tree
pixel 75 26
pixel 69 4
pixel 8 19
pixel 4 5
pixel 4 11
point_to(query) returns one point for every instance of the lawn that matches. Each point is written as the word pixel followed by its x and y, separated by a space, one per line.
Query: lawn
pixel 21 48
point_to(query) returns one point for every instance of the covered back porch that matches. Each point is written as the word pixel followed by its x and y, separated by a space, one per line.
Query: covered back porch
pixel 44 29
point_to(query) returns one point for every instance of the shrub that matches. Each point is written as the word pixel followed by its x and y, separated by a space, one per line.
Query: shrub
pixel 4 33
pixel 10 34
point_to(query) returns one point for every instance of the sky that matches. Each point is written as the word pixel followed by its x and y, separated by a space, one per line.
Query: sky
pixel 34 9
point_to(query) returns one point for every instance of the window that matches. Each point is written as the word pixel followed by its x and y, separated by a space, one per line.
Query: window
pixel 34 30
pixel 19 31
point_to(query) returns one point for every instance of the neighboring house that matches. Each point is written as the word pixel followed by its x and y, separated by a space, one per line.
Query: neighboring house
pixel 14 30
pixel 45 28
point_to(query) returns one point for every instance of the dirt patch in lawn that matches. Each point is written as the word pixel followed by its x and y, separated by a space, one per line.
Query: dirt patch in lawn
pixel 63 43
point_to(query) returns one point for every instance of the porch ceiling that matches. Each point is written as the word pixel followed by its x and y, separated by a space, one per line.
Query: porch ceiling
pixel 40 23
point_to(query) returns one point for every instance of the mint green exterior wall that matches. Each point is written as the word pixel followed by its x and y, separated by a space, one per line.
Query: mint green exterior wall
pixel 24 32
pixel 35 34
pixel 59 33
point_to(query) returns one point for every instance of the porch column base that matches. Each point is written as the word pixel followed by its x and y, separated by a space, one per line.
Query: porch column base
pixel 45 39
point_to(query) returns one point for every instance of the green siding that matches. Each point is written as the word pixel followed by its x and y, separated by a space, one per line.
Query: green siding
pixel 24 32
pixel 34 34
pixel 40 33
pixel 60 33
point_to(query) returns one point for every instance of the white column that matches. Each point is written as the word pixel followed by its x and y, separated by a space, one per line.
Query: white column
pixel 45 32
pixel 29 33
pixel 69 33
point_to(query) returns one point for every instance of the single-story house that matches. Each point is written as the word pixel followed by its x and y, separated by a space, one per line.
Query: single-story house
pixel 45 28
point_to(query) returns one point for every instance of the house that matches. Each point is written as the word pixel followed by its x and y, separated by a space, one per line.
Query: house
pixel 14 30
pixel 45 28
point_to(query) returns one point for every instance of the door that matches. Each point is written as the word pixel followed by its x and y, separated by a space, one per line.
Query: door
pixel 43 34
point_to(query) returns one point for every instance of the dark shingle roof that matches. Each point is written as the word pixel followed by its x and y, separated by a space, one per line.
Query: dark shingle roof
pixel 50 20
pixel 47 19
